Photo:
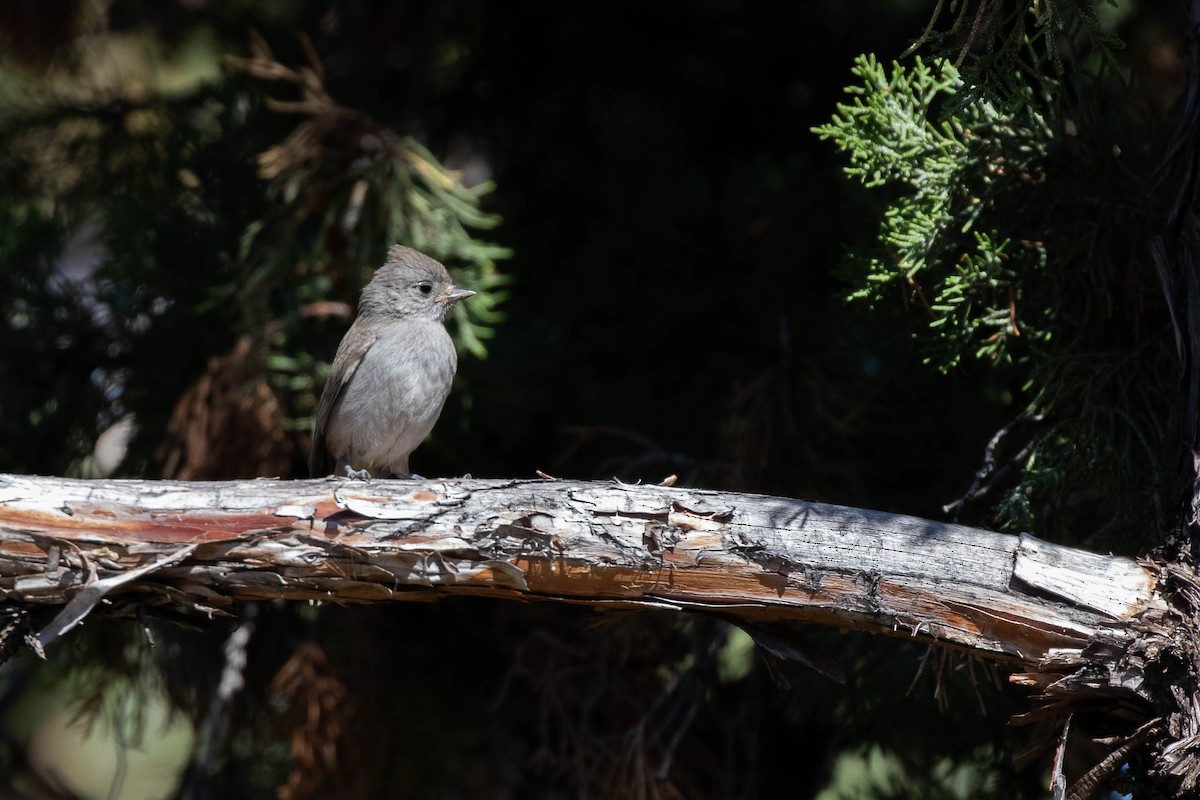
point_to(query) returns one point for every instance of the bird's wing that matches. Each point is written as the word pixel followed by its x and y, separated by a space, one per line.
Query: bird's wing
pixel 350 354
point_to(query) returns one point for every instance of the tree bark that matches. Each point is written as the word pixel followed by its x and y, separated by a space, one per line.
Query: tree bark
pixel 204 546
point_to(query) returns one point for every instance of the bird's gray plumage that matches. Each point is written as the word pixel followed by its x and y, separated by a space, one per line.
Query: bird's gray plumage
pixel 392 372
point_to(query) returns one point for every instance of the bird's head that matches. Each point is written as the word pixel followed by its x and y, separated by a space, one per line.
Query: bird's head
pixel 410 285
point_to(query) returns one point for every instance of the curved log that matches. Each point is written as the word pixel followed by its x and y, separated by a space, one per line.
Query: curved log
pixel 204 546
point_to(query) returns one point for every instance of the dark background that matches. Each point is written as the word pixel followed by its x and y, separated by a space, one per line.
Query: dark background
pixel 677 230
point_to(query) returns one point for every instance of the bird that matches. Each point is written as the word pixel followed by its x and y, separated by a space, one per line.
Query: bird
pixel 392 371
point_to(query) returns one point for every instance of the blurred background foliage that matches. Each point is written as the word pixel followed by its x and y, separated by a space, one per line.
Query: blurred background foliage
pixel 668 258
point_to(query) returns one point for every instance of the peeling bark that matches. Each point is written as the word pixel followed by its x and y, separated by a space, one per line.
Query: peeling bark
pixel 205 546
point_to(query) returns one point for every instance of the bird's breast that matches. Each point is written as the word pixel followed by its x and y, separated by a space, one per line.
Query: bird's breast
pixel 396 393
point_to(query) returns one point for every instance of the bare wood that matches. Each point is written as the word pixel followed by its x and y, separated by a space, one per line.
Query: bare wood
pixel 205 546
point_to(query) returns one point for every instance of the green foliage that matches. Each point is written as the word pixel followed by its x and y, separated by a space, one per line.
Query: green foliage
pixel 941 240
pixel 1009 235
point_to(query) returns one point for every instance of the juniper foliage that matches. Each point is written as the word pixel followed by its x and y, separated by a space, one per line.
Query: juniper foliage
pixel 1009 219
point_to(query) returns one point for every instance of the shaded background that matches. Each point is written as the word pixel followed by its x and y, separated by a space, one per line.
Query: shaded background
pixel 673 305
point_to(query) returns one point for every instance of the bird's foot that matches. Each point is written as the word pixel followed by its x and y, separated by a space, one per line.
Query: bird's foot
pixel 351 473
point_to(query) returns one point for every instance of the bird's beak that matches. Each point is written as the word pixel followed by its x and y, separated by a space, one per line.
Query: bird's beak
pixel 454 295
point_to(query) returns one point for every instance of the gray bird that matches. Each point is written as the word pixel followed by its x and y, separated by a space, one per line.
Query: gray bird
pixel 392 371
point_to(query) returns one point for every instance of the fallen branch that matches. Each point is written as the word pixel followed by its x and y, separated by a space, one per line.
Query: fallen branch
pixel 755 558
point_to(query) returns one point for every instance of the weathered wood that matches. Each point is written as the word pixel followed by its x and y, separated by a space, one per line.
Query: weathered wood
pixel 205 546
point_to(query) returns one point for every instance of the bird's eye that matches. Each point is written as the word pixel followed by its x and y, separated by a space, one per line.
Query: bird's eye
pixel 425 288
